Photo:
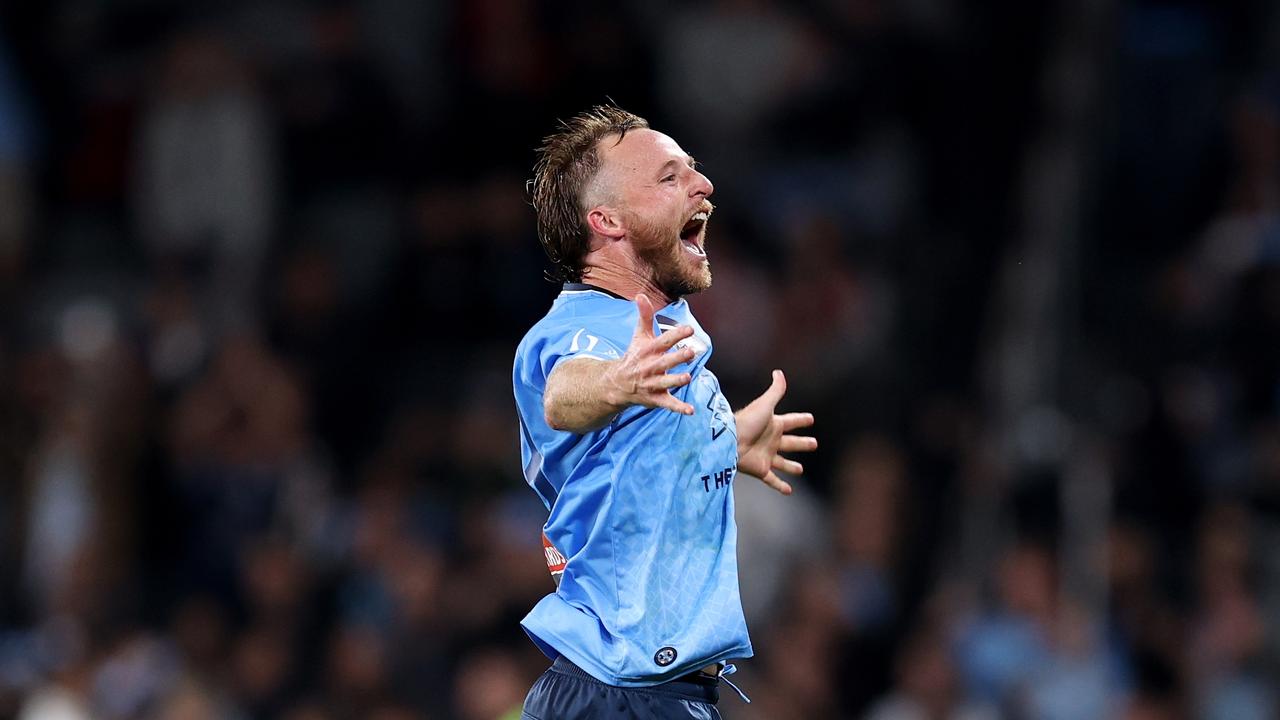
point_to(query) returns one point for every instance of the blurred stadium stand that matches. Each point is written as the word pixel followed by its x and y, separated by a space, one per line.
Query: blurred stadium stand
pixel 263 266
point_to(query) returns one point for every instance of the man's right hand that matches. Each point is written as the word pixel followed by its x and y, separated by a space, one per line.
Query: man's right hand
pixel 585 394
pixel 641 377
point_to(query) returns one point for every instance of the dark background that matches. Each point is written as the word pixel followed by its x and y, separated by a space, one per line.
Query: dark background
pixel 263 267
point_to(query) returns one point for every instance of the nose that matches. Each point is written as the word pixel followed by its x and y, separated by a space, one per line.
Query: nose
pixel 701 186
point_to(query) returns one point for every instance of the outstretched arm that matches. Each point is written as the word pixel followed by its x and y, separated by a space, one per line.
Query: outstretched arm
pixel 584 394
pixel 762 437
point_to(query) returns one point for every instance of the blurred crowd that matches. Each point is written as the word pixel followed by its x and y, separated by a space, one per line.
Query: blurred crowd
pixel 263 267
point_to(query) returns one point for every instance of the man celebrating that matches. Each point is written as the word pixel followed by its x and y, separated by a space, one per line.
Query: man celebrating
pixel 627 438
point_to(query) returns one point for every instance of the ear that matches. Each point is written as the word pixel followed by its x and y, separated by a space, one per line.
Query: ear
pixel 605 221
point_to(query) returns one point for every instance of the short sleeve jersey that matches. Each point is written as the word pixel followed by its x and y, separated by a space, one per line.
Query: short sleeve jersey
pixel 641 509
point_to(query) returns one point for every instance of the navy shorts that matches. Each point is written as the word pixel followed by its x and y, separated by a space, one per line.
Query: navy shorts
pixel 567 692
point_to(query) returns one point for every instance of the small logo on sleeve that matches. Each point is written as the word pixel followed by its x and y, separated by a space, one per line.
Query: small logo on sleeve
pixel 665 656
pixel 585 342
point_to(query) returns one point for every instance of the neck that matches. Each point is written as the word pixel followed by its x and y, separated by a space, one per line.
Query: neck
pixel 616 269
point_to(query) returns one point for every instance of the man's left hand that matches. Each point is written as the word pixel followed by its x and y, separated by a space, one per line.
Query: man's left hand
pixel 763 436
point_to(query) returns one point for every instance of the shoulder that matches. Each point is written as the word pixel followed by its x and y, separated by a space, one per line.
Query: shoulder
pixel 584 323
pixel 574 310
pixel 586 301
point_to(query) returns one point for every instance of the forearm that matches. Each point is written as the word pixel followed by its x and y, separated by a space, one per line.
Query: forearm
pixel 582 395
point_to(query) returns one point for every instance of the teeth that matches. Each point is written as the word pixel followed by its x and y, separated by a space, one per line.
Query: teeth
pixel 700 216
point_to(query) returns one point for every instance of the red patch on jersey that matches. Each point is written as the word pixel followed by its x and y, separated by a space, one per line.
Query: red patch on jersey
pixel 555 560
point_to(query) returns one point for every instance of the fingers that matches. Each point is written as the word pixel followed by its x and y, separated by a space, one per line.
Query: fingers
pixel 648 362
pixel 776 483
pixel 659 388
pixel 673 336
pixel 777 389
pixel 644 326
pixel 797 443
pixel 667 382
pixel 787 466
pixel 792 421
pixel 667 401
pixel 672 359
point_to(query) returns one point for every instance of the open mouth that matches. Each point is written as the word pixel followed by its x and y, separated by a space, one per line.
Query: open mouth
pixel 691 233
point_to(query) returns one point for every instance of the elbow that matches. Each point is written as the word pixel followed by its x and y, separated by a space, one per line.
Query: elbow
pixel 562 419
pixel 550 413
pixel 555 422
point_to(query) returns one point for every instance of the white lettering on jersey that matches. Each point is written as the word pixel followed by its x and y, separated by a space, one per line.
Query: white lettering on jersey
pixel 591 342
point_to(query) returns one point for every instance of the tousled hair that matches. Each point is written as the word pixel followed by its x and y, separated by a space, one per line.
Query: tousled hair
pixel 567 162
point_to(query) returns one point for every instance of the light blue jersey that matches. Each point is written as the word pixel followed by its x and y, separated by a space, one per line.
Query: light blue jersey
pixel 642 509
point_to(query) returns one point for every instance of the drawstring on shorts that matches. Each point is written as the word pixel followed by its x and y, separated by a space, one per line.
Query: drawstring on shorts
pixel 730 669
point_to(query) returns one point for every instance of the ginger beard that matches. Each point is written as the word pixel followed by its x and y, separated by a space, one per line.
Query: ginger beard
pixel 675 253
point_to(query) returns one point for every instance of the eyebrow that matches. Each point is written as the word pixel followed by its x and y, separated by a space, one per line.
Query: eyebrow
pixel 688 159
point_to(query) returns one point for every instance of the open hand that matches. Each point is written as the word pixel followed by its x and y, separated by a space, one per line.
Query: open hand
pixel 762 437
pixel 640 377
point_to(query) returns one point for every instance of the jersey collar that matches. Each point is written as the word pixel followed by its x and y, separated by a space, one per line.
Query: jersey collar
pixel 585 286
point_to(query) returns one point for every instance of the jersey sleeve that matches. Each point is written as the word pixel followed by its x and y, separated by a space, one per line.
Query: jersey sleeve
pixel 578 338
pixel 545 346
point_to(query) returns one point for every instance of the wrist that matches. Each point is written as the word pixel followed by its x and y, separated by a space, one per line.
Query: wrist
pixel 614 392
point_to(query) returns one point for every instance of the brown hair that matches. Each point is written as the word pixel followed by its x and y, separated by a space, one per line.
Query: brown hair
pixel 567 161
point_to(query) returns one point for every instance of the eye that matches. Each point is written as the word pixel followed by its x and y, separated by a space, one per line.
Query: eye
pixel 669 178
